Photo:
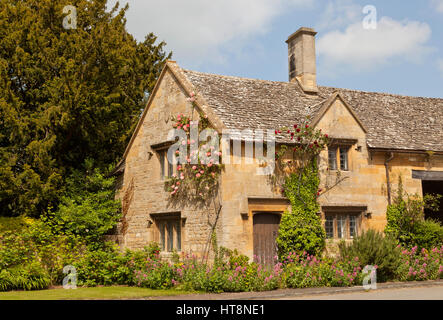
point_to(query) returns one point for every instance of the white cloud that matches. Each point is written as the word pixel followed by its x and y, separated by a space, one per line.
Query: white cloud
pixel 438 5
pixel 363 49
pixel 440 66
pixel 201 30
pixel 339 13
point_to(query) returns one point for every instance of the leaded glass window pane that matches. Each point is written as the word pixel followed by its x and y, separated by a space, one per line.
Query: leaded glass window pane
pixel 329 226
pixel 170 232
pixel 161 227
pixel 352 226
pixel 344 159
pixel 332 157
pixel 341 226
pixel 179 235
pixel 162 155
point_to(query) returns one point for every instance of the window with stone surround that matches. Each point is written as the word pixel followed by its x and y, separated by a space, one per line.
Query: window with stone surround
pixel 338 157
pixel 169 231
pixel 342 225
pixel 167 169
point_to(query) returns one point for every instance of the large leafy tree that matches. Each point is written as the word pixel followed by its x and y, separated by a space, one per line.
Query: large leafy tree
pixel 66 94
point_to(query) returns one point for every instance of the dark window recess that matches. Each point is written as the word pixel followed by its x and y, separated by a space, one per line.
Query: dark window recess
pixel 292 66
pixel 162 155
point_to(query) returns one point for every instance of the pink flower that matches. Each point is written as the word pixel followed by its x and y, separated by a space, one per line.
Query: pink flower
pixel 202 171
pixel 194 167
pixel 210 164
pixel 198 175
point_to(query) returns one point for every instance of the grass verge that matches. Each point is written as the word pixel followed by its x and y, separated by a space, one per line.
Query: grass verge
pixel 112 292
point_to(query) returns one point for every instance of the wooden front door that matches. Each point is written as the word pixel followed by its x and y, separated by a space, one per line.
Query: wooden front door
pixel 265 233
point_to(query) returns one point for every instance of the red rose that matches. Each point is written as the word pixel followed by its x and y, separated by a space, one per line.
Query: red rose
pixel 307 126
pixel 298 130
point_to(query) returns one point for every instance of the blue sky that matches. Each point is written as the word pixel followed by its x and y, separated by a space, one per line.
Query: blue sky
pixel 246 38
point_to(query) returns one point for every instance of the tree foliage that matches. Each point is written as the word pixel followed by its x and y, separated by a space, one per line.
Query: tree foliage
pixel 66 94
pixel 88 208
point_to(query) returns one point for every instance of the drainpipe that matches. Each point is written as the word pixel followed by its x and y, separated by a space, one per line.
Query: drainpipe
pixel 389 158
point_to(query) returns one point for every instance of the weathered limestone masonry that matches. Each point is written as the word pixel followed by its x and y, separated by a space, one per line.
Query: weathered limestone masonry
pixel 386 136
pixel 142 169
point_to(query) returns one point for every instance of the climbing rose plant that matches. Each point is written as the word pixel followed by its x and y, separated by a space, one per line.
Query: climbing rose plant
pixel 196 178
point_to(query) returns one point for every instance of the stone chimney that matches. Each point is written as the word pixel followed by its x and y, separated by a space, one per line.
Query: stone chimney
pixel 301 54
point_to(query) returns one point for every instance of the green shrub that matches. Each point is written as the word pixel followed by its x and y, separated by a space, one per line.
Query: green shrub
pixel 108 265
pixel 303 271
pixel 155 274
pixel 38 242
pixel 428 234
pixel 14 224
pixel 308 235
pixel 405 220
pixel 372 248
pixel 31 276
pixel 88 208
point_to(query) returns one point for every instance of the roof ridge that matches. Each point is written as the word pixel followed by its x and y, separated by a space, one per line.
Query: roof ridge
pixel 324 87
pixel 397 95
pixel 237 77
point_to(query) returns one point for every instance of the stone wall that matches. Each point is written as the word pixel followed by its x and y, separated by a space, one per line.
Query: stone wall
pixel 142 172
pixel 243 191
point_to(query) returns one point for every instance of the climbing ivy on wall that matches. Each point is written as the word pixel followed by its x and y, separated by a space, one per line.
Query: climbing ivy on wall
pixel 297 174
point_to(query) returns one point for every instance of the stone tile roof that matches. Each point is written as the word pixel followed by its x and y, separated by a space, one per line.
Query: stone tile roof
pixel 392 121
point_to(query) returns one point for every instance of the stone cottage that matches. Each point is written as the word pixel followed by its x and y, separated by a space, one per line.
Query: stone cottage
pixel 376 137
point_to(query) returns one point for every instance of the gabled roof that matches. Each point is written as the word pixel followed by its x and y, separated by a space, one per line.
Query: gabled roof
pixel 391 121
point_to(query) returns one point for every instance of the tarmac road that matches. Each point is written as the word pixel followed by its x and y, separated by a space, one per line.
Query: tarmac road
pixel 417 293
